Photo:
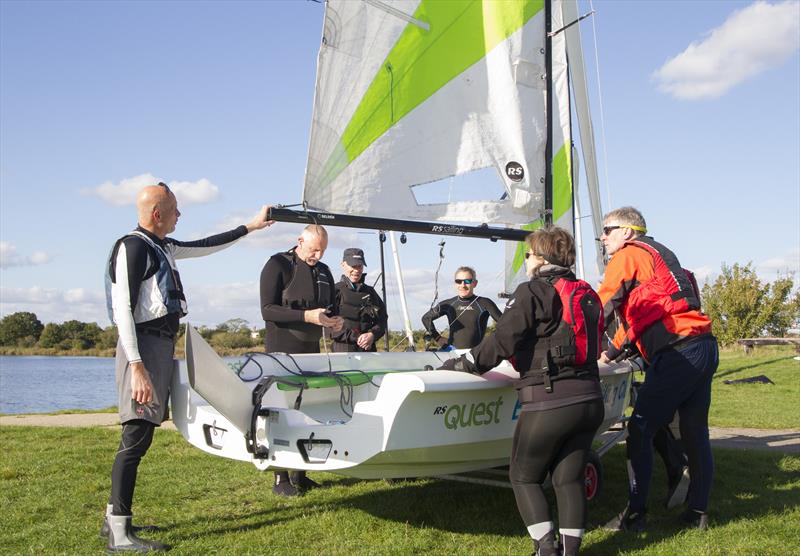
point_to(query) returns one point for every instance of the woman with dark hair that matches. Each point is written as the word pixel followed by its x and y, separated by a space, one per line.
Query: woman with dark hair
pixel 550 331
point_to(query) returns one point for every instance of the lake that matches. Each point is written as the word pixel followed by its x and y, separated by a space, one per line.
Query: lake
pixel 33 384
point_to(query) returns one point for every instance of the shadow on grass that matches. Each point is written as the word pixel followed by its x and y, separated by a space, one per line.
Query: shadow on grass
pixel 754 365
pixel 747 485
pixel 448 506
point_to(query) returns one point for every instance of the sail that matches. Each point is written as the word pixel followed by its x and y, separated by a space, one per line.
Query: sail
pixel 415 91
pixel 420 90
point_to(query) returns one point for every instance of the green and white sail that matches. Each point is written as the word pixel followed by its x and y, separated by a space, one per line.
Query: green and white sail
pixel 410 92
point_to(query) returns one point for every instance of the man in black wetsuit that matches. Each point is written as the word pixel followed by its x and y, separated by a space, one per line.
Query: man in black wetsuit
pixel 145 301
pixel 297 302
pixel 360 306
pixel 467 314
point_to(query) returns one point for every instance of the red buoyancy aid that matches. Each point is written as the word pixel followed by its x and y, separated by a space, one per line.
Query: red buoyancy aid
pixel 574 347
pixel 671 291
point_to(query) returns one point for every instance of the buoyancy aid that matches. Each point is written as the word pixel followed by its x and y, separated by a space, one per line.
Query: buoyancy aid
pixel 160 294
pixel 356 306
pixel 671 291
pixel 310 287
pixel 573 348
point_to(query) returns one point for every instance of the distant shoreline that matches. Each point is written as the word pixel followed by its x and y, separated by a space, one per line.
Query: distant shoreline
pixel 107 352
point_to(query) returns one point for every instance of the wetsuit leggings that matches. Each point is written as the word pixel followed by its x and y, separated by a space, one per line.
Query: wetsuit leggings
pixel 555 441
pixel 676 379
pixel 136 438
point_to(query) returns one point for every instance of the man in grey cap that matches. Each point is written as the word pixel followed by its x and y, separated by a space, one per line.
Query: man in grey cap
pixel 363 311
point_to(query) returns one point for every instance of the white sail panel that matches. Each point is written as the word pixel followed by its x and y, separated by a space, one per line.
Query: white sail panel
pixel 415 105
pixel 562 153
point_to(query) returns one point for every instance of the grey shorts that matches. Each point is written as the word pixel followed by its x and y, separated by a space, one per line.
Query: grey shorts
pixel 158 358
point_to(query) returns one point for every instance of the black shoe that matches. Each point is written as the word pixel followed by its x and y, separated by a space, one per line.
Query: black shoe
pixel 283 486
pixel 635 522
pixel 677 489
pixel 122 539
pixel 300 480
pixel 695 519
pixel 546 546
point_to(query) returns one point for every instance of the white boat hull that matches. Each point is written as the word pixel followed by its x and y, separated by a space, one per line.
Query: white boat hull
pixel 405 423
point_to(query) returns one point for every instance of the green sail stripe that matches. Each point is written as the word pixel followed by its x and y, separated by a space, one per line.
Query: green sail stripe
pixel 422 62
pixel 562 200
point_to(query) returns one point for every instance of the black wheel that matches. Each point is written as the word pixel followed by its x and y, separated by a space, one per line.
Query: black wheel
pixel 593 476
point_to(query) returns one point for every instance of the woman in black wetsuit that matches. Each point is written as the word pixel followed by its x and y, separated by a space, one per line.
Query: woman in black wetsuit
pixel 559 386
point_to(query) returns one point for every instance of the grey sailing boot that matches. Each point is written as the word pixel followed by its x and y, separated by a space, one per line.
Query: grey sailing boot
pixel 135 528
pixel 122 539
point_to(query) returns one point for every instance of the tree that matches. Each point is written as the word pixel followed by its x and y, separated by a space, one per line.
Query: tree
pixel 234 325
pixel 52 335
pixel 20 328
pixel 108 338
pixel 741 306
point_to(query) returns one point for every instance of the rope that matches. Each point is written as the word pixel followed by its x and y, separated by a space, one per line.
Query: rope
pixel 602 115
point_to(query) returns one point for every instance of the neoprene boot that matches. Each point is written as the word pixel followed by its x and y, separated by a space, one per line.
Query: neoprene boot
pixel 301 481
pixel 104 529
pixel 283 486
pixel 570 545
pixel 122 539
pixel 695 519
pixel 677 489
pixel 546 546
pixel 635 522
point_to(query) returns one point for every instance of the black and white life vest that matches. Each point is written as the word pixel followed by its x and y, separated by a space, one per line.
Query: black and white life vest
pixel 159 295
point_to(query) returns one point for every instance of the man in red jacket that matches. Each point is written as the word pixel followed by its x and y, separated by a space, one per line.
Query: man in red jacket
pixel 654 299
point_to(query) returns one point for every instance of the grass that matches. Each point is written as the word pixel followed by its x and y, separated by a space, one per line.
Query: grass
pixel 54 485
pixel 766 406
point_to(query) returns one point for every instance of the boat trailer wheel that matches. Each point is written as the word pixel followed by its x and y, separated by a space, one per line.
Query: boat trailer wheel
pixel 593 476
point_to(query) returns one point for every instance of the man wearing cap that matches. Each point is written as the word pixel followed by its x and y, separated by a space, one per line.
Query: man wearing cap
pixel 467 314
pixel 297 303
pixel 658 307
pixel 363 311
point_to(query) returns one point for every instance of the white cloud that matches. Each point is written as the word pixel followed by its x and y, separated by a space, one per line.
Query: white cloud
pixel 124 192
pixel 10 258
pixel 702 273
pixel 782 266
pixel 55 305
pixel 750 41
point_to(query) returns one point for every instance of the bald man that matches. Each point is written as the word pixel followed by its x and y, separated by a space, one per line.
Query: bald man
pixel 298 299
pixel 145 301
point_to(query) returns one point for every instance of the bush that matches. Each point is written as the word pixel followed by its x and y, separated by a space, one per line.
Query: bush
pixel 20 329
pixel 741 306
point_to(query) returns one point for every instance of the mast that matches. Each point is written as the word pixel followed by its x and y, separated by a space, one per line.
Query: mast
pixel 548 150
pixel 403 304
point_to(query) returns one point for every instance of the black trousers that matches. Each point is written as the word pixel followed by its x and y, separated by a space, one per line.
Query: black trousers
pixel 555 441
pixel 137 435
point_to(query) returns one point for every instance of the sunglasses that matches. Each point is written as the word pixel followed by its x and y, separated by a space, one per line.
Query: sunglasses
pixel 528 255
pixel 608 229
pixel 466 281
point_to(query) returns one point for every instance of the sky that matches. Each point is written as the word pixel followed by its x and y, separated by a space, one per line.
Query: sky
pixel 696 115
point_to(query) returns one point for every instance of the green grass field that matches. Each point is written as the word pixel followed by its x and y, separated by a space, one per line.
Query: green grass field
pixel 54 485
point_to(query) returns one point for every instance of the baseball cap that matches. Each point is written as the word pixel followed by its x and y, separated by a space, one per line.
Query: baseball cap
pixel 354 257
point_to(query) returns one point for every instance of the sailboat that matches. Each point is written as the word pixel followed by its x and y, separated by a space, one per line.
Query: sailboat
pixel 408 93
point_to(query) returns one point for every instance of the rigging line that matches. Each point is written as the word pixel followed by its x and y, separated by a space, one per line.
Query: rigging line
pixel 600 100
pixel 436 275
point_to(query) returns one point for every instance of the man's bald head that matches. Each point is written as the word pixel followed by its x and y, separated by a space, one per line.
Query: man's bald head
pixel 311 244
pixel 157 209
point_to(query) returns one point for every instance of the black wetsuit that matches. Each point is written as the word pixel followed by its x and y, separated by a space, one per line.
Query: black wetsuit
pixel 555 429
pixel 362 310
pixel 289 287
pixel 467 318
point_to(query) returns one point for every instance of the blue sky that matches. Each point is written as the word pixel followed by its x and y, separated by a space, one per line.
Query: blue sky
pixel 701 119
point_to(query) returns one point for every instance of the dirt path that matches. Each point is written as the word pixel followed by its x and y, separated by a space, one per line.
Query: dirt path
pixel 776 440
